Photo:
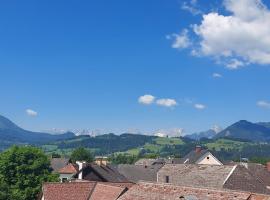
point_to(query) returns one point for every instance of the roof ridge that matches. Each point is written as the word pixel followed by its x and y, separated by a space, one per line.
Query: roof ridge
pixel 90 194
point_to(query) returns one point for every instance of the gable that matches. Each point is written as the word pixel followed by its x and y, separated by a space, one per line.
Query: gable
pixel 208 159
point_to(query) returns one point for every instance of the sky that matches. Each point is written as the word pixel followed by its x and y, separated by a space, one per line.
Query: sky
pixel 134 66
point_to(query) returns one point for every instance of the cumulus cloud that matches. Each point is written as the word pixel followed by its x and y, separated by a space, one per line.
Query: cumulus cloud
pixel 166 102
pixel 146 99
pixel 216 75
pixel 181 40
pixel 263 104
pixel 199 106
pixel 31 112
pixel 240 38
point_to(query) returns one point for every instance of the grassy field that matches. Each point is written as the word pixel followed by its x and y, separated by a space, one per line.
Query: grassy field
pixel 168 141
pixel 226 144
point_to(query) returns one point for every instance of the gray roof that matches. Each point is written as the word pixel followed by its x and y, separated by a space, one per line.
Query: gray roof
pixel 208 176
pixel 149 162
pixel 145 161
pixel 58 163
pixel 191 158
pixel 136 173
pixel 106 172
pixel 249 178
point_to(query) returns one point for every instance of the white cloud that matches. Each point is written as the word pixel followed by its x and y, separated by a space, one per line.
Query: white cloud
pixel 263 104
pixel 166 102
pixel 199 106
pixel 237 39
pixel 146 99
pixel 234 64
pixel 191 7
pixel 216 75
pixel 181 40
pixel 31 112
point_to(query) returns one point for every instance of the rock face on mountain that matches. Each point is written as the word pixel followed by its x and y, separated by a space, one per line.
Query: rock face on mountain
pixel 206 134
pixel 257 132
pixel 10 132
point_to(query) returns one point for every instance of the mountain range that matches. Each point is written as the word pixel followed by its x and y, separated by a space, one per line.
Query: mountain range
pixel 11 133
pixel 205 134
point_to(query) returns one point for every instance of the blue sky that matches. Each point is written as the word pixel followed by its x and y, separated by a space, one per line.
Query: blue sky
pixel 84 64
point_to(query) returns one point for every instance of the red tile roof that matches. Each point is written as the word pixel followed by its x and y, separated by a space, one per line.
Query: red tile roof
pixel 84 190
pixel 154 191
pixel 106 192
pixel 68 191
pixel 69 169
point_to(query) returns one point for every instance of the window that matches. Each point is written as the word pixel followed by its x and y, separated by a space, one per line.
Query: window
pixel 208 157
pixel 64 180
pixel 167 179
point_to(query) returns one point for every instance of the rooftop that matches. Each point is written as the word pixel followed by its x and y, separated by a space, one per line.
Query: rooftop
pixel 154 191
pixel 207 176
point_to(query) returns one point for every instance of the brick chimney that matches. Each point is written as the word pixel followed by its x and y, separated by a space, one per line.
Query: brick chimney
pixel 198 149
pixel 268 166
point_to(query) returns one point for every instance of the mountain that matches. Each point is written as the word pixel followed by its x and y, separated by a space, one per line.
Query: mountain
pixel 205 134
pixel 265 124
pixel 257 132
pixel 13 134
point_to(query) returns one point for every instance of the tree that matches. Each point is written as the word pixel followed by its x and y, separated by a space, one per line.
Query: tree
pixel 81 154
pixel 22 172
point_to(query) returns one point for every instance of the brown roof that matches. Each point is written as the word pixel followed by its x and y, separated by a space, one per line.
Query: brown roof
pixel 69 169
pixel 68 191
pixel 106 192
pixel 86 190
pixel 154 191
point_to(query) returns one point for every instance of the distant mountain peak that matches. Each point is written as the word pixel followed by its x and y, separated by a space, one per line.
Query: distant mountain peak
pixel 6 124
pixel 246 130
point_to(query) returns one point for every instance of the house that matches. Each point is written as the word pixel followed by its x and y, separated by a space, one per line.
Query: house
pixel 233 177
pixel 68 172
pixel 80 191
pixel 101 173
pixel 198 156
pixel 157 191
pixel 90 172
pixel 58 163
pixel 104 172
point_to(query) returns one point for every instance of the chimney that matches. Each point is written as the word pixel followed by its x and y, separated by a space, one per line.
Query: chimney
pixel 101 161
pixel 81 165
pixel 268 166
pixel 198 149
